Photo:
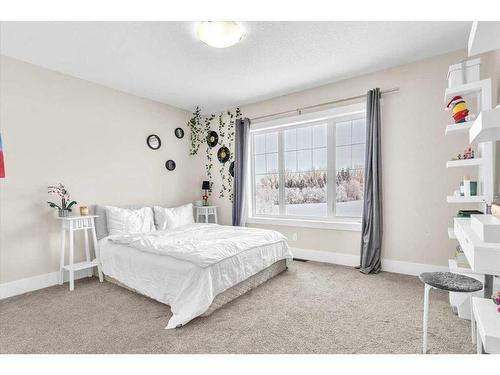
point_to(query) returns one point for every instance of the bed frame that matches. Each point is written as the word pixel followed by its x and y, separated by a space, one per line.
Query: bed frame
pixel 221 299
pixel 235 291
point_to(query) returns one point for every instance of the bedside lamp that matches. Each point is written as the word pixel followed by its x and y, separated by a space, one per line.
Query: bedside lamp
pixel 205 186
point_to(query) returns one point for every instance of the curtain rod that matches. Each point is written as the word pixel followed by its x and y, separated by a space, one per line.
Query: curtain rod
pixel 299 110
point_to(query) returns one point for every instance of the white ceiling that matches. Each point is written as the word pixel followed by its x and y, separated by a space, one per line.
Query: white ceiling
pixel 165 61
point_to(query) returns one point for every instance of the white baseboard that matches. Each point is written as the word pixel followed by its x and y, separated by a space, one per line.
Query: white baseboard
pixel 388 265
pixel 325 256
pixel 30 284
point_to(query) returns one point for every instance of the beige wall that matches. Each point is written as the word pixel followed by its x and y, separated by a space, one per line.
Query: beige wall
pixel 415 150
pixel 56 128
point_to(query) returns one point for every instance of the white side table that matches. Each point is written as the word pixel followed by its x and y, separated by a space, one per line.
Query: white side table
pixel 486 324
pixel 205 212
pixel 73 224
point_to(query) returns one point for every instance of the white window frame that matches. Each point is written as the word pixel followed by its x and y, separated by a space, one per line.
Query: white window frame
pixel 331 116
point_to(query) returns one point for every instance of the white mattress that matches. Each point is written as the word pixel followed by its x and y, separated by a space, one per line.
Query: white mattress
pixel 187 288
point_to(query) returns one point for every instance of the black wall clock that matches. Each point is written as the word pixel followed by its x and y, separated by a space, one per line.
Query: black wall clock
pixel 223 154
pixel 179 133
pixel 153 142
pixel 212 138
pixel 170 165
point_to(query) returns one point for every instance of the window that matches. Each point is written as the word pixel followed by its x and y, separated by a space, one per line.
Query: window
pixel 349 167
pixel 310 170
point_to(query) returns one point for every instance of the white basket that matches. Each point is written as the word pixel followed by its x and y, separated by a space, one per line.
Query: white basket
pixel 464 72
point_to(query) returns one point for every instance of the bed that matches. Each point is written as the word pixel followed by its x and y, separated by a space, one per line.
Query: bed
pixel 194 269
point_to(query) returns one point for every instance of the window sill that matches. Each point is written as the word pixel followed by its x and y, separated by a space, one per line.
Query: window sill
pixel 316 224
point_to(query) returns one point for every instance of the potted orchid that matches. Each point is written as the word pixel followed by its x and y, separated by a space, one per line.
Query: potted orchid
pixel 66 204
pixel 496 300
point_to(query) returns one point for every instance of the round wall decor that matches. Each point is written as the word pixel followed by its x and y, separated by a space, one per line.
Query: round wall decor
pixel 231 169
pixel 170 165
pixel 223 154
pixel 179 133
pixel 153 142
pixel 212 138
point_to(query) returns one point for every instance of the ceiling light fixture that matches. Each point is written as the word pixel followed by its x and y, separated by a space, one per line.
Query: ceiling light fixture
pixel 219 34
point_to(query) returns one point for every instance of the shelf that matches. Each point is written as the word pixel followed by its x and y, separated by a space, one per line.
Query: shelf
pixel 460 128
pixel 483 257
pixel 464 163
pixel 467 89
pixel 487 322
pixel 486 127
pixel 451 234
pixel 472 199
pixel 455 268
pixel 81 265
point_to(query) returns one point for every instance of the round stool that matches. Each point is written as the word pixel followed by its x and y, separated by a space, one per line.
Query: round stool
pixel 451 282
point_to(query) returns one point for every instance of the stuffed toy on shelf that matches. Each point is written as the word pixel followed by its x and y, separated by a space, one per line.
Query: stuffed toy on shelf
pixel 458 108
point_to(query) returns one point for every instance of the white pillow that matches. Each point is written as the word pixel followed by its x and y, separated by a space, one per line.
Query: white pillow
pixel 126 220
pixel 169 218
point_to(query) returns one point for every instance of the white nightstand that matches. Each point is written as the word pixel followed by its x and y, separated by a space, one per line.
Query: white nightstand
pixel 72 224
pixel 205 212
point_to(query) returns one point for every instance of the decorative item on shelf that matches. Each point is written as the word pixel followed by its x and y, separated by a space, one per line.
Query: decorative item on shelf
pixel 66 204
pixel 468 188
pixel 223 154
pixel 496 300
pixel 170 165
pixel 84 211
pixel 468 154
pixel 153 142
pixel 179 133
pixel 468 213
pixel 205 186
pixel 458 108
pixel 212 138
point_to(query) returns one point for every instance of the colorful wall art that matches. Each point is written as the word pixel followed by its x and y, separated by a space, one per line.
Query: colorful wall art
pixel 2 165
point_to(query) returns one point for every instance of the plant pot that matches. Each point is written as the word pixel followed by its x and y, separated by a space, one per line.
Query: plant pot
pixel 63 213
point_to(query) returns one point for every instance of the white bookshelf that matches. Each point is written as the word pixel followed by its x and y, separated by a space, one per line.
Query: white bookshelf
pixel 479 89
pixel 462 199
pixel 464 163
pixel 460 128
pixel 456 268
pixel 486 127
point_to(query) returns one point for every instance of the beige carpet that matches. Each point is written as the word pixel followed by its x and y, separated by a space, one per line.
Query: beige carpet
pixel 311 308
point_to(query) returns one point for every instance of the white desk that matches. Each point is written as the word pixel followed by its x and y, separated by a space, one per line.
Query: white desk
pixel 483 257
pixel 486 319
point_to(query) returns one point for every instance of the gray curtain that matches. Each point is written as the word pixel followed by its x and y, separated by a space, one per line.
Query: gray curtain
pixel 371 230
pixel 241 144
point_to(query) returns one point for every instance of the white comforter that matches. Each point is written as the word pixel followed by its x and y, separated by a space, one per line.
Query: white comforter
pixel 188 266
pixel 201 244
